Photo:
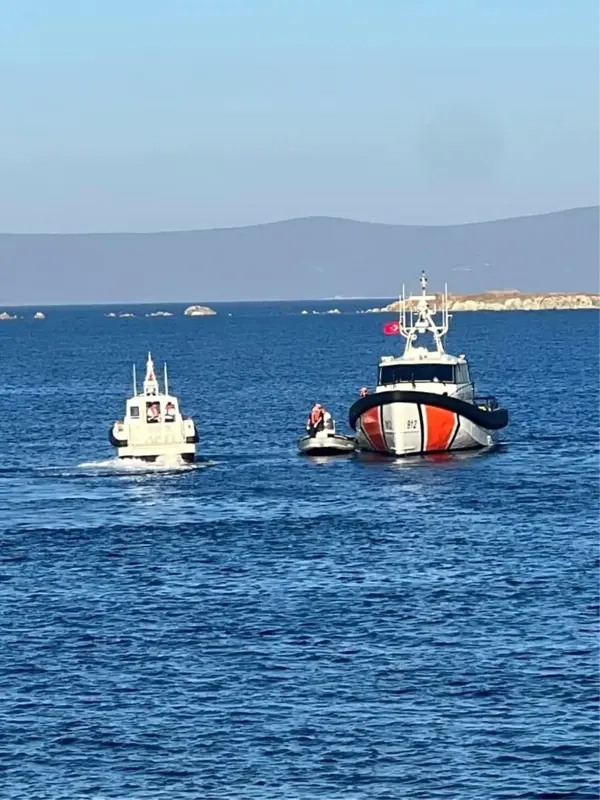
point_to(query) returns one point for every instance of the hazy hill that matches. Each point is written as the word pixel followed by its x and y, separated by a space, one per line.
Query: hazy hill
pixel 302 258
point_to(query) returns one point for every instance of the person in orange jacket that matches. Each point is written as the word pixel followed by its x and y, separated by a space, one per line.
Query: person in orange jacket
pixel 315 421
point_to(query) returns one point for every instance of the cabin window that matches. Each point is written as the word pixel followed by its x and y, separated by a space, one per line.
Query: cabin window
pixel 407 373
pixel 152 412
pixel 462 374
pixel 134 412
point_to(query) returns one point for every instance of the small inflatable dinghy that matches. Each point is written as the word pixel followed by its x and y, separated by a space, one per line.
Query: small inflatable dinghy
pixel 321 438
pixel 326 443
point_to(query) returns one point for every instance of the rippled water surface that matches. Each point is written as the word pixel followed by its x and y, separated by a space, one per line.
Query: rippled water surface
pixel 266 626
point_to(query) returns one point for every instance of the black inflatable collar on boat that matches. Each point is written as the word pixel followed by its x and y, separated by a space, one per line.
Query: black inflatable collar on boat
pixel 490 420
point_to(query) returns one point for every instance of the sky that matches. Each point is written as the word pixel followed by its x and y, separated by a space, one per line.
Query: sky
pixel 139 115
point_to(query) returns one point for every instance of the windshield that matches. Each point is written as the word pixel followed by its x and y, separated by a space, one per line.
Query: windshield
pixel 409 373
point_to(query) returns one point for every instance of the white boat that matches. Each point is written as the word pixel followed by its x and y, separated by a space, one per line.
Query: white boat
pixel 425 399
pixel 153 426
pixel 326 442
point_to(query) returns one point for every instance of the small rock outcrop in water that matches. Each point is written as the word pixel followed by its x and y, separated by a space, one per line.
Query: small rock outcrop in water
pixel 39 315
pixel 160 314
pixel 511 301
pixel 120 315
pixel 199 311
pixel 5 316
pixel 331 311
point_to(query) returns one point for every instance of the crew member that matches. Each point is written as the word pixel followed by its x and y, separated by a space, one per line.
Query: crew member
pixel 364 391
pixel 315 421
pixel 153 413
pixel 169 412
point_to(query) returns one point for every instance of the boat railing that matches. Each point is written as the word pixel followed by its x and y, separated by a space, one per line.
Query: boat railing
pixel 486 402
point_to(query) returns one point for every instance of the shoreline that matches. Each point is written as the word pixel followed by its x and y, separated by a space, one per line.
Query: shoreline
pixel 509 301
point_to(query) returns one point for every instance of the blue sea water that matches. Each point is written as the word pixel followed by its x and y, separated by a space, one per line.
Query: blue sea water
pixel 267 626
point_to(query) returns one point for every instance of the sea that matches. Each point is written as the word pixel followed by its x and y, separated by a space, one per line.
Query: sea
pixel 264 625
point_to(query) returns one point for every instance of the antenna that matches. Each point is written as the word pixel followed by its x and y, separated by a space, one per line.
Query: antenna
pixel 420 315
pixel 166 380
pixel 446 317
pixel 403 312
pixel 134 382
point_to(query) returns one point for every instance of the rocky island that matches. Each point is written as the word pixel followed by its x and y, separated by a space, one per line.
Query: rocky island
pixel 510 300
pixel 199 311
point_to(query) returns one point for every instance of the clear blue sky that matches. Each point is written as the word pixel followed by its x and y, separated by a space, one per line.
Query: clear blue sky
pixel 146 115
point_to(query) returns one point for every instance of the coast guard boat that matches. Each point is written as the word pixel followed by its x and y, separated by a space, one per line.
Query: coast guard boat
pixel 425 399
pixel 153 426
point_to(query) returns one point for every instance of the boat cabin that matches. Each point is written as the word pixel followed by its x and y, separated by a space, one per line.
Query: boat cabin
pixel 161 408
pixel 151 406
pixel 394 371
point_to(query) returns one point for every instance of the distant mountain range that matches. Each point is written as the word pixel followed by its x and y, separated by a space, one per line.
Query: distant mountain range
pixel 312 257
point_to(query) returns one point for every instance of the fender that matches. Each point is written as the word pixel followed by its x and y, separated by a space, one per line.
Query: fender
pixel 114 441
pixel 489 420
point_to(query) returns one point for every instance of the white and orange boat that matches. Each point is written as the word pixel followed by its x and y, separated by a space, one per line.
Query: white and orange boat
pixel 425 399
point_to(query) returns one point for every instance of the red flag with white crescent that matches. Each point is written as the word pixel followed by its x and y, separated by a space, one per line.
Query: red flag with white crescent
pixel 391 328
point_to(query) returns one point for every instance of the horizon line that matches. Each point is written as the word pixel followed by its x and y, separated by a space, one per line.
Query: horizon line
pixel 138 303
pixel 301 219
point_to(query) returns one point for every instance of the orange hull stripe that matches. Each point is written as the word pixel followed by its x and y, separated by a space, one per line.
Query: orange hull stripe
pixel 372 427
pixel 440 426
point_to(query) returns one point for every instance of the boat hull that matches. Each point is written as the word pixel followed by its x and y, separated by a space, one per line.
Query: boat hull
pixel 405 423
pixel 326 445
pixel 159 443
pixel 135 453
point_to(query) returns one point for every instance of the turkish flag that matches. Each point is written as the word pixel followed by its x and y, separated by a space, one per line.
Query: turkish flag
pixel 391 328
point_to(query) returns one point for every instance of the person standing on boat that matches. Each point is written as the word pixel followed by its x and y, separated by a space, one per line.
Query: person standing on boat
pixel 364 391
pixel 327 420
pixel 169 412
